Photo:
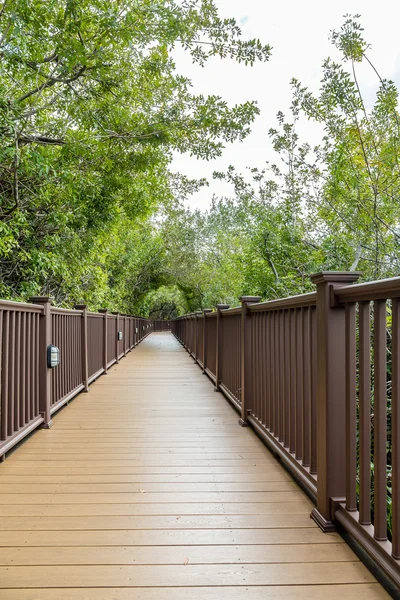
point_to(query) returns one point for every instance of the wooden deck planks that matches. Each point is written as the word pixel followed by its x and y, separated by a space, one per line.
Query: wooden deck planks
pixel 304 592
pixel 147 488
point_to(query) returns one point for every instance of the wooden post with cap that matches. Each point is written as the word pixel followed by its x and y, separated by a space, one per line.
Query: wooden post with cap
pixel 219 349
pixel 116 336
pixel 45 339
pixel 103 311
pixel 197 338
pixel 246 358
pixel 204 358
pixel 84 346
pixel 331 396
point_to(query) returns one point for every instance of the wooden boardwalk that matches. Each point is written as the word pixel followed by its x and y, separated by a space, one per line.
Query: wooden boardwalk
pixel 146 488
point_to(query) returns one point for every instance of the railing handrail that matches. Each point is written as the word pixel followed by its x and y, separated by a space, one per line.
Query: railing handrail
pixel 20 306
pixel 299 301
pixel 372 290
pixel 66 311
pixel 226 312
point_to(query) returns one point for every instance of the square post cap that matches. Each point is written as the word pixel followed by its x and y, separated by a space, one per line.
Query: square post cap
pixel 207 310
pixel 223 306
pixel 250 299
pixel 40 299
pixel 344 277
pixel 80 306
pixel 103 310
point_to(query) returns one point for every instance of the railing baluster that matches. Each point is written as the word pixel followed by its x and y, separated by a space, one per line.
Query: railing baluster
pixel 22 358
pixel 396 428
pixel 380 507
pixel 314 377
pixel 365 412
pixel 11 376
pixel 270 370
pixel 29 374
pixel 306 353
pixel 254 337
pixel 351 452
pixel 263 367
pixel 275 371
pixel 4 375
pixel 286 381
pixel 292 380
pixel 299 372
pixel 17 398
pixel 281 371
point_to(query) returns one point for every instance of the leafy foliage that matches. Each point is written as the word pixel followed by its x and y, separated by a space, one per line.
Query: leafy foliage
pixel 91 108
pixel 332 207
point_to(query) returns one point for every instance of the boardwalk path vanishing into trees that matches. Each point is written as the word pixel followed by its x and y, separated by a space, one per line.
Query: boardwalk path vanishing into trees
pixel 146 488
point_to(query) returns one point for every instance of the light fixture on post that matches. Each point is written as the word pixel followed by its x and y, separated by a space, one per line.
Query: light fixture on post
pixel 119 336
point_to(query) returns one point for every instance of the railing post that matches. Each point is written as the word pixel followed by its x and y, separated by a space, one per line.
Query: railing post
pixel 195 337
pixel 124 336
pixel 218 351
pixel 205 311
pixel 116 335
pixel 84 346
pixel 246 357
pixel 196 346
pixel 45 337
pixel 190 333
pixel 103 311
pixel 331 395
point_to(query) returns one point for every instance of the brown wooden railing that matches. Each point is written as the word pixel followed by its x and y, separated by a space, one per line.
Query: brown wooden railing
pixel 30 391
pixel 317 376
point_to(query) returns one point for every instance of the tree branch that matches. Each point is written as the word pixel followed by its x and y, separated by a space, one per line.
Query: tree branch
pixel 40 139
pixel 50 82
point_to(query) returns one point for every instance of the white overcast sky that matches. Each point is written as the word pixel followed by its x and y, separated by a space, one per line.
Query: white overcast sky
pixel 299 34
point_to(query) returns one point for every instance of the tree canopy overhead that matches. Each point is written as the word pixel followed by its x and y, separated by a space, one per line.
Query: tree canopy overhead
pixel 91 108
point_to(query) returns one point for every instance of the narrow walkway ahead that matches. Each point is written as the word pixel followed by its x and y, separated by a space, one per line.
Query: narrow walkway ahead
pixel 147 483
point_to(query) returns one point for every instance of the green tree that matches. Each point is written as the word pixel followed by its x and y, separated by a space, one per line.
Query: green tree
pixel 358 161
pixel 91 108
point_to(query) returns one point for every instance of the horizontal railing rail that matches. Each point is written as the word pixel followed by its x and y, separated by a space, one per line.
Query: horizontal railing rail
pixel 88 343
pixel 317 376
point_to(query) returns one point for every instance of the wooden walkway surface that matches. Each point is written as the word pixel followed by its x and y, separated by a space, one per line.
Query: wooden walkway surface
pixel 146 488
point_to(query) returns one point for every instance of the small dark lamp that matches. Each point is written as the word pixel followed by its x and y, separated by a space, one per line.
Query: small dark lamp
pixel 53 356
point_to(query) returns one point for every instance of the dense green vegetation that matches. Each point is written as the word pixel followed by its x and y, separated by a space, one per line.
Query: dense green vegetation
pixel 330 207
pixel 91 109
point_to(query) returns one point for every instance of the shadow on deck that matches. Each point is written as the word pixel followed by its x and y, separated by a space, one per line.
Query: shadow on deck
pixel 147 488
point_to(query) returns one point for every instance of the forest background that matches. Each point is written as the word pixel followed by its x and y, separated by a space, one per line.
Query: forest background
pixel 92 111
